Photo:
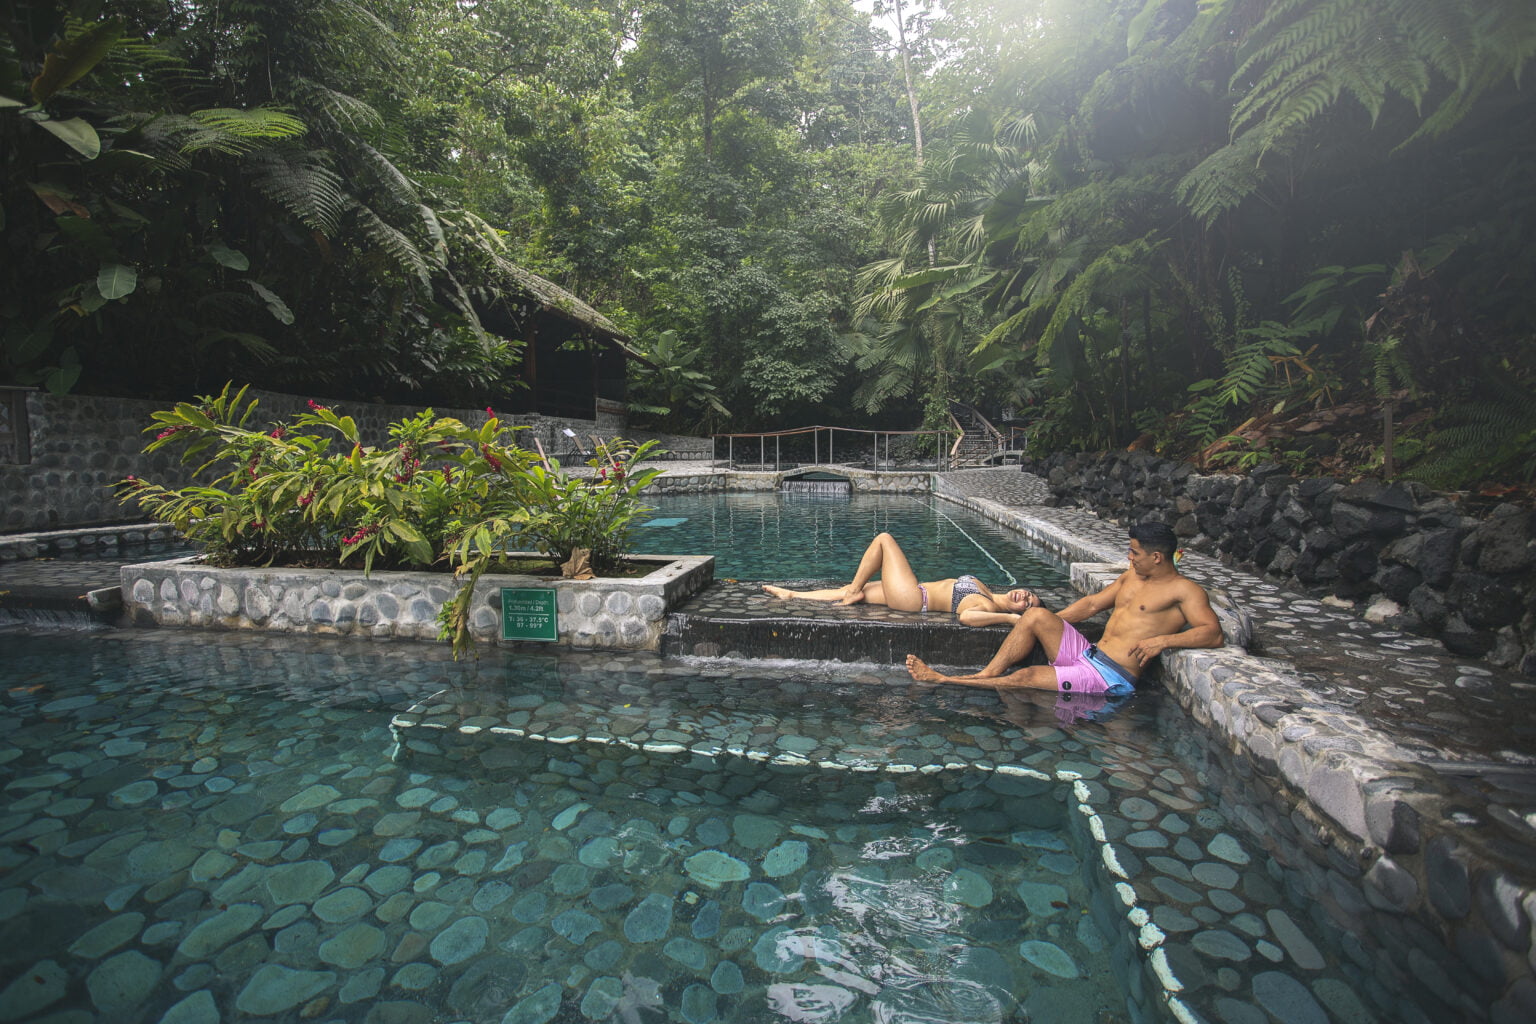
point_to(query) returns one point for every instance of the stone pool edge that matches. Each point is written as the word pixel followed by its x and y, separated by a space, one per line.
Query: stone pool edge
pixel 601 614
pixel 1388 822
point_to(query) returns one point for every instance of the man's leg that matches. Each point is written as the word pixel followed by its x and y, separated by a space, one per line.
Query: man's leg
pixel 1036 627
pixel 1035 677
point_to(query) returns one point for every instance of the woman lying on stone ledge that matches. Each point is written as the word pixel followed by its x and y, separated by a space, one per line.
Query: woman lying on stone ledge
pixel 972 601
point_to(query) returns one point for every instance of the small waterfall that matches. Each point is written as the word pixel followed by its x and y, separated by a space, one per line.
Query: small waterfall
pixel 52 618
pixel 940 639
pixel 821 488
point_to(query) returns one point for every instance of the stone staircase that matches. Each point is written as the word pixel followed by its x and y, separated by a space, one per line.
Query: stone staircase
pixel 979 443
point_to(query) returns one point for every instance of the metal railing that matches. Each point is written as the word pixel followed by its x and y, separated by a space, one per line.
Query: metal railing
pixel 860 447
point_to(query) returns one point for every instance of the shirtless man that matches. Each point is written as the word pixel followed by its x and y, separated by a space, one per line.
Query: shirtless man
pixel 1154 608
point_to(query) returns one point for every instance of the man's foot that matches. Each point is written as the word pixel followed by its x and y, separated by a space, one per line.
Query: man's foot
pixel 920 671
pixel 782 592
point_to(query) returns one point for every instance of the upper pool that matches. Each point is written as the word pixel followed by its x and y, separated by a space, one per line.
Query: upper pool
pixel 756 536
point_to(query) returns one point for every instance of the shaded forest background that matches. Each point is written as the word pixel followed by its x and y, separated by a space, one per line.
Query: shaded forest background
pixel 1233 230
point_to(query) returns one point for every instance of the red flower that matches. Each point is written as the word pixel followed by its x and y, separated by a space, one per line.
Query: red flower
pixel 278 432
pixel 362 534
pixel 316 406
pixel 305 499
pixel 489 414
pixel 490 457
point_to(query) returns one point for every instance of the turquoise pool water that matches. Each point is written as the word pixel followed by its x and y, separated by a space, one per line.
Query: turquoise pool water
pixel 796 537
pixel 300 829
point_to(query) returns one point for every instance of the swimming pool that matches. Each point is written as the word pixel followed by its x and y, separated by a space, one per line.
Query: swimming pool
pixel 298 828
pixel 804 537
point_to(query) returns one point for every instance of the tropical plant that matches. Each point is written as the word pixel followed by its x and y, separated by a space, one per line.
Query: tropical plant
pixel 554 512
pixel 441 492
pixel 668 383
pixel 280 493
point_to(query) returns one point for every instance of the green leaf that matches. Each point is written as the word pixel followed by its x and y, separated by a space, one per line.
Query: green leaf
pixel 24 347
pixel 76 134
pixel 72 59
pixel 116 280
pixel 276 306
pixel 234 259
pixel 62 377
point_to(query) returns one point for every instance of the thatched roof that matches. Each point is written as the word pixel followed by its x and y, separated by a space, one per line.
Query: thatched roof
pixel 554 299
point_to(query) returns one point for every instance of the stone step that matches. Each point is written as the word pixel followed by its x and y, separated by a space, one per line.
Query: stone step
pixel 733 619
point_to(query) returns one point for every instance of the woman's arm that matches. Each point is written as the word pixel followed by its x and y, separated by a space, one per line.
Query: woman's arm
pixel 980 617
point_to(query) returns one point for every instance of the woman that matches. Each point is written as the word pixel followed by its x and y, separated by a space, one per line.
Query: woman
pixel 970 599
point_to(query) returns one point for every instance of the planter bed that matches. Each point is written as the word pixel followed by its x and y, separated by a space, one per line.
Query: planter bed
pixel 613 614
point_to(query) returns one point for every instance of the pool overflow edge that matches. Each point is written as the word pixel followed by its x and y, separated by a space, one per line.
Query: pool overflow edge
pixel 1369 805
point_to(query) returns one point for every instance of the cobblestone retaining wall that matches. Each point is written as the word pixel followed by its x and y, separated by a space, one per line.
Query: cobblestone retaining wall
pixel 1409 557
pixel 99 541
pixel 1434 913
pixel 610 614
pixel 1435 910
pixel 81 445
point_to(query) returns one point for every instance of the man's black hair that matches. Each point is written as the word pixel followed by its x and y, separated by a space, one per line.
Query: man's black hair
pixel 1155 536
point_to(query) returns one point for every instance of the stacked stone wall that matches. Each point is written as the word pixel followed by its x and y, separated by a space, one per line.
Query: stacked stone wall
pixel 1408 557
pixel 81 445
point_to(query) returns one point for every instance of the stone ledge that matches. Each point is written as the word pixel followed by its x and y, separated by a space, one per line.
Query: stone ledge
pixel 1369 801
pixel 53 543
pixel 613 614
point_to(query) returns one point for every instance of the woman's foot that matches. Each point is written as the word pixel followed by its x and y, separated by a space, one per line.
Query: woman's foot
pixel 781 592
pixel 851 596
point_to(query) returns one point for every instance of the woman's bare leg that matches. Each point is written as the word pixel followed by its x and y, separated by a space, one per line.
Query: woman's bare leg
pixel 807 595
pixel 899 587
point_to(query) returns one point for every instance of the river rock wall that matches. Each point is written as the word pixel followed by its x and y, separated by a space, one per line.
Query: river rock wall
pixel 1406 556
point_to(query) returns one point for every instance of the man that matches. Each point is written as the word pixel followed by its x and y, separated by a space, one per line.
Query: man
pixel 1154 608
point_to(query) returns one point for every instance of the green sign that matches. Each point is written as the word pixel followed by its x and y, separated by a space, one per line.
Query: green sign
pixel 529 614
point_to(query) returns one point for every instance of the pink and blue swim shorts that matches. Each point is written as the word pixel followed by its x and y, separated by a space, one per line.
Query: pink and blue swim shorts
pixel 1082 668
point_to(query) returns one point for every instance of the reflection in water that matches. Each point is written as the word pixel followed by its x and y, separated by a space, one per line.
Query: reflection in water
pixel 809 1002
pixel 900 908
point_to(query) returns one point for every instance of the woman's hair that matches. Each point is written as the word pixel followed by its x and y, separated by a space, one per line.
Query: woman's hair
pixel 1155 536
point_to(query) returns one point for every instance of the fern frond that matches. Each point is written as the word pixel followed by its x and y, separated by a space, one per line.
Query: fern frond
pixel 344 111
pixel 394 243
pixel 255 123
pixel 397 186
pixel 297 181
pixel 1223 180
pixel 1305 56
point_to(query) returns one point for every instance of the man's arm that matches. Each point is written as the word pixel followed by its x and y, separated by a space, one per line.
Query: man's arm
pixel 1089 605
pixel 1203 629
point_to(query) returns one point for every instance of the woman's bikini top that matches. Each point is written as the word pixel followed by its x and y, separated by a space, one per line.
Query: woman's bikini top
pixel 965 586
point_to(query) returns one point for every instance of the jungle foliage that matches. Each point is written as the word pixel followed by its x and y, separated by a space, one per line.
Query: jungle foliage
pixel 1206 227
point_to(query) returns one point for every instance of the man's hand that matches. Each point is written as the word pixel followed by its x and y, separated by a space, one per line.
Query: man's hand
pixel 1148 649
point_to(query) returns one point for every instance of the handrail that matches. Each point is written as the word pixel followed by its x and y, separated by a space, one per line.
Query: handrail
pixel 954 451
pixel 815 431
